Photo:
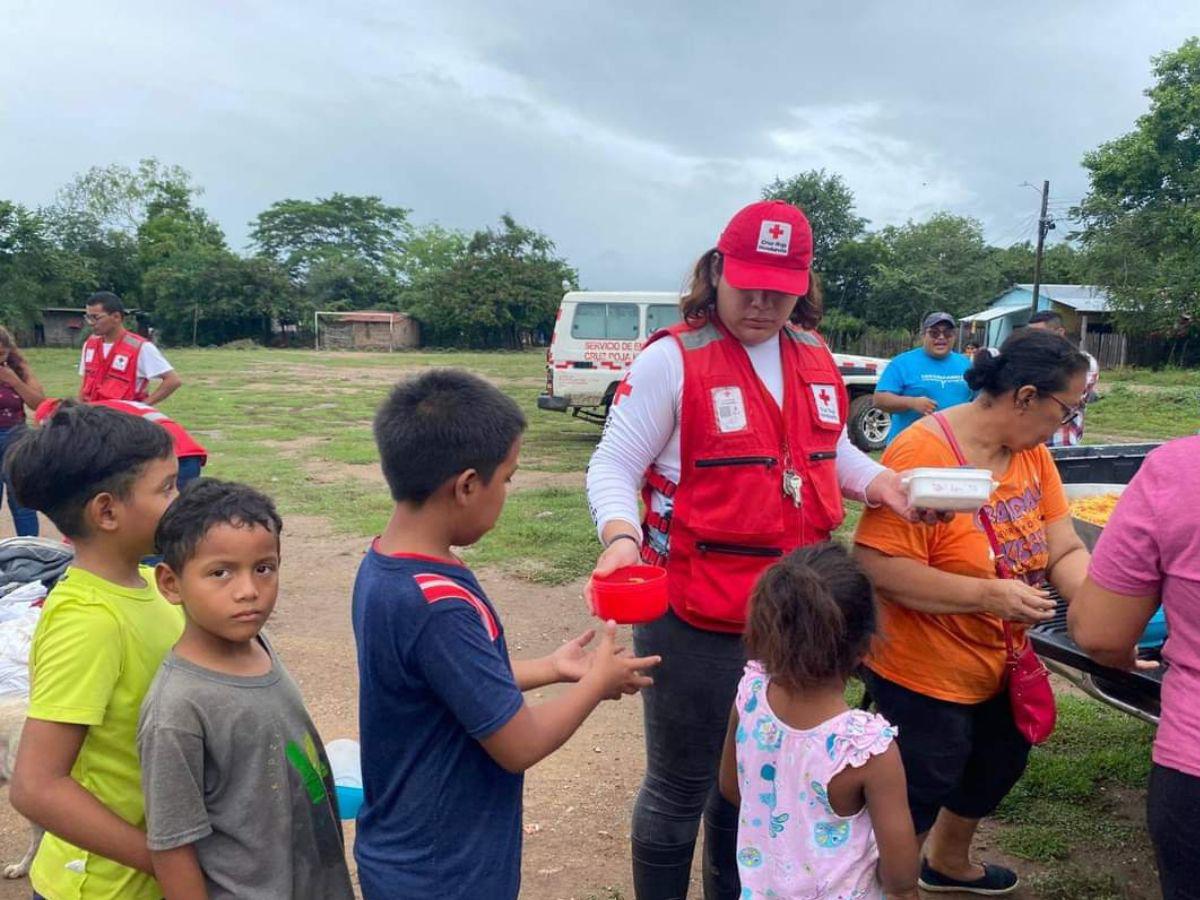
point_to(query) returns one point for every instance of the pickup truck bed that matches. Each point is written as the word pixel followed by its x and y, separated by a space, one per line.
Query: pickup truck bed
pixel 1136 693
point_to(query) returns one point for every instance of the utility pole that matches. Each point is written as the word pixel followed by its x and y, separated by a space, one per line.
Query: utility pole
pixel 1044 226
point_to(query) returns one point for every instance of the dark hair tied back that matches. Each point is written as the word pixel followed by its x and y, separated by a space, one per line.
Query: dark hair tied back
pixel 1041 359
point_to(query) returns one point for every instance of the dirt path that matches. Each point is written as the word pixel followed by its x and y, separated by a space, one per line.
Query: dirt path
pixel 577 803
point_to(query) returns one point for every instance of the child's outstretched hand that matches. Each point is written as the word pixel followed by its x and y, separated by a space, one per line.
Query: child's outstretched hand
pixel 571 661
pixel 613 670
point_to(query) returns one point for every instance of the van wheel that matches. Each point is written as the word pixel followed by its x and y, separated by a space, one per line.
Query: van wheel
pixel 868 425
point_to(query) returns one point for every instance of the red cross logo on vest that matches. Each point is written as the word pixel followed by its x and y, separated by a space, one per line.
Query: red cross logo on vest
pixel 827 403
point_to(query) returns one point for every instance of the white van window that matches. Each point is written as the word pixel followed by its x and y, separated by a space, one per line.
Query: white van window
pixel 661 315
pixel 605 321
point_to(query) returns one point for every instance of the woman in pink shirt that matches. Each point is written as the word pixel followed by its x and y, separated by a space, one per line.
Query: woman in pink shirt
pixel 1149 553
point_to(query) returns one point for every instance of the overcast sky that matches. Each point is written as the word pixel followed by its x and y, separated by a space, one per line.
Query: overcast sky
pixel 627 131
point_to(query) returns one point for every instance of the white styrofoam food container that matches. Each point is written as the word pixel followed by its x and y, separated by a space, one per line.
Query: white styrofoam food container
pixel 948 489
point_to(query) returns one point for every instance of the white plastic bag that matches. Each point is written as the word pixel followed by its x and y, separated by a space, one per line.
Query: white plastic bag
pixel 15 603
pixel 345 760
pixel 16 637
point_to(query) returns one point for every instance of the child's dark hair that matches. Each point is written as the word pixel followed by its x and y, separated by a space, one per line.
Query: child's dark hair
pixel 812 617
pixel 78 452
pixel 1041 359
pixel 439 424
pixel 204 504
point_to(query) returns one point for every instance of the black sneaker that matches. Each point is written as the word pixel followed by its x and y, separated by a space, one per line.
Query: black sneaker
pixel 996 881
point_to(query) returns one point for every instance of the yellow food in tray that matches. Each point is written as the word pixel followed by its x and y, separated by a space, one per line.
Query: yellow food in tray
pixel 1095 510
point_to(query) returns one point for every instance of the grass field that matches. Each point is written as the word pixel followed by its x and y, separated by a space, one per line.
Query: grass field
pixel 298 425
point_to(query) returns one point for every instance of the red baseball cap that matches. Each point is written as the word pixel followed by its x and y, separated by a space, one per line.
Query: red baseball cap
pixel 767 246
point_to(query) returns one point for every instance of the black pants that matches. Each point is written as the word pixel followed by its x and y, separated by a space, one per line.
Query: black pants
pixel 686 715
pixel 964 757
pixel 1173 814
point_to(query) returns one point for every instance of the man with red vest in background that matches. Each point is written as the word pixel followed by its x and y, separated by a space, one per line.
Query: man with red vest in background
pixel 118 364
pixel 191 455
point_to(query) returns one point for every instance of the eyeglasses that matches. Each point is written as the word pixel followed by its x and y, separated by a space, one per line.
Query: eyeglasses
pixel 1069 412
pixel 93 318
pixel 940 332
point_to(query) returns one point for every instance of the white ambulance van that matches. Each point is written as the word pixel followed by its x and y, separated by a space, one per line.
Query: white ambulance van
pixel 597 335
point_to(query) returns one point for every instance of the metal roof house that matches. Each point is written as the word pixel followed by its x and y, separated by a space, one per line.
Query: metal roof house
pixel 1081 306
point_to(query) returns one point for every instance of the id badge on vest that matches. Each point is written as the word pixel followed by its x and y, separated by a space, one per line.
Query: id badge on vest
pixel 729 407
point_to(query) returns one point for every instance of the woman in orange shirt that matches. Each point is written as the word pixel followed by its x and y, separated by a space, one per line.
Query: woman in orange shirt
pixel 937 669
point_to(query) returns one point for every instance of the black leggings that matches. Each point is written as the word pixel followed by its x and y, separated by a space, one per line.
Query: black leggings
pixel 1173 814
pixel 686 714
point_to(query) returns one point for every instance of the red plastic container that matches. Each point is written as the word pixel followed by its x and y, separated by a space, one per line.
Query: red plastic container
pixel 630 596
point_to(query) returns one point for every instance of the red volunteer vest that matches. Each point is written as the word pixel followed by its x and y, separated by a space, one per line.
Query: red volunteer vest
pixel 731 518
pixel 114 378
pixel 185 444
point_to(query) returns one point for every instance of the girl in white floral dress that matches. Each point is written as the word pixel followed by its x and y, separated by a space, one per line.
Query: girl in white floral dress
pixel 820 787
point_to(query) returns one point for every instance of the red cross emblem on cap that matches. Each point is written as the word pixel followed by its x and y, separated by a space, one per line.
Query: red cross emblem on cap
pixel 775 231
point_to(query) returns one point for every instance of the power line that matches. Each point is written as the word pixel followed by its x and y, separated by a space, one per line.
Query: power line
pixel 1020 233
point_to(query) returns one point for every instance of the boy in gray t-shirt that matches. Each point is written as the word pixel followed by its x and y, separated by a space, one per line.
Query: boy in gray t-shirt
pixel 239 797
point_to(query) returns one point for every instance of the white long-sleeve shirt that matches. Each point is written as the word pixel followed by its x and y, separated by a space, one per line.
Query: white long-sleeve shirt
pixel 643 428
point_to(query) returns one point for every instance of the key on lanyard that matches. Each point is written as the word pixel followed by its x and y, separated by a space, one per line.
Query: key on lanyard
pixel 791 486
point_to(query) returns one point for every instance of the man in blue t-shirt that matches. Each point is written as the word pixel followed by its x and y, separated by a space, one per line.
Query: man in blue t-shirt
pixel 925 379
pixel 446 733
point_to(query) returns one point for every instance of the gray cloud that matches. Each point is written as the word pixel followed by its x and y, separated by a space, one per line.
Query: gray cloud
pixel 627 131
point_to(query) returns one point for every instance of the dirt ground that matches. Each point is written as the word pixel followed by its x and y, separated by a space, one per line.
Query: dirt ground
pixel 577 803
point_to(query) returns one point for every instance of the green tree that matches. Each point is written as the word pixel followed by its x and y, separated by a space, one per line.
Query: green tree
pixel 501 290
pixel 116 197
pixel 433 248
pixel 32 274
pixel 95 219
pixel 344 283
pixel 940 264
pixel 299 234
pixel 173 225
pixel 209 294
pixel 1062 263
pixel 1141 217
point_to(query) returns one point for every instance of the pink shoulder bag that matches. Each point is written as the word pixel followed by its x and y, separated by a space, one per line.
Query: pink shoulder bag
pixel 1029 691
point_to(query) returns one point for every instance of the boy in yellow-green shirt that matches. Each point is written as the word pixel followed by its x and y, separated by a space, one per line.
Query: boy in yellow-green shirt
pixel 104 479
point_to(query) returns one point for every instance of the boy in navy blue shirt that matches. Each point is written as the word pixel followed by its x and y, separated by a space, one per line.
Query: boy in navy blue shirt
pixel 446 733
